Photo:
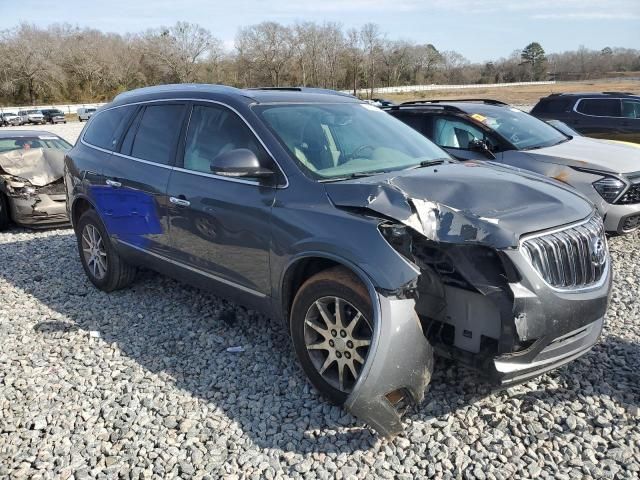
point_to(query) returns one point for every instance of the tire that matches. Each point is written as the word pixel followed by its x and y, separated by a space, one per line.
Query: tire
pixel 5 219
pixel 352 348
pixel 116 273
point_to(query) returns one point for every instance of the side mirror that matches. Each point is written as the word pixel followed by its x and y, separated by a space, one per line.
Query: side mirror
pixel 481 146
pixel 240 162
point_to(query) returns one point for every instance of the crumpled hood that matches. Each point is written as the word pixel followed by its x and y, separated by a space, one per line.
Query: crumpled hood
pixel 465 202
pixel 592 154
pixel 39 166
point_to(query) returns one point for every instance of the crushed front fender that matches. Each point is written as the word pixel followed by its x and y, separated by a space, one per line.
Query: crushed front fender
pixel 398 368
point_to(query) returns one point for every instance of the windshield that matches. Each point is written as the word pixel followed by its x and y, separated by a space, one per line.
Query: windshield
pixel 521 129
pixel 26 143
pixel 563 127
pixel 341 140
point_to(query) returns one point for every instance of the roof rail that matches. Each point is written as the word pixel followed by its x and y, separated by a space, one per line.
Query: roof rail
pixel 449 108
pixel 286 89
pixel 325 91
pixel 488 101
pixel 619 93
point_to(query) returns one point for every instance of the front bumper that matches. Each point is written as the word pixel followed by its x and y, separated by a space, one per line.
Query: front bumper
pixel 562 350
pixel 538 329
pixel 39 210
pixel 622 218
pixel 397 370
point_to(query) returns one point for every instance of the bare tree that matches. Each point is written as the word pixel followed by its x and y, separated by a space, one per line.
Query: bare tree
pixel 354 56
pixel 269 46
pixel 68 63
pixel 372 45
pixel 179 48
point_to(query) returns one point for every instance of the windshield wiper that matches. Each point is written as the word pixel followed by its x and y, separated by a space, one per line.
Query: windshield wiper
pixel 435 161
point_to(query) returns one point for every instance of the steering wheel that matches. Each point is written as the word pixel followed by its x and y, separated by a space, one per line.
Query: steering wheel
pixel 357 153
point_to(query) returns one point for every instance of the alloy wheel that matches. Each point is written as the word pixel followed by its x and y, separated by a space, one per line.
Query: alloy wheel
pixel 95 254
pixel 337 337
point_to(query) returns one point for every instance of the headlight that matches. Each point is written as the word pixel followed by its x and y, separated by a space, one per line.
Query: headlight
pixel 609 188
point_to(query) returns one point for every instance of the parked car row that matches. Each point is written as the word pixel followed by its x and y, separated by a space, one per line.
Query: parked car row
pixel 33 117
pixel 42 116
pixel 379 237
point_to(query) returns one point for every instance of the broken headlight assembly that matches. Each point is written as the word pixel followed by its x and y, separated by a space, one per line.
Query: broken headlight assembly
pixel 609 188
pixel 398 237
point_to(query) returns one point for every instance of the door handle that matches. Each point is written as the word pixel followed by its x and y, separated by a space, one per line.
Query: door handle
pixel 113 183
pixel 181 202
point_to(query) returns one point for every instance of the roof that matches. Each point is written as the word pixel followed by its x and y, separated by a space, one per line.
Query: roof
pixel 26 133
pixel 592 94
pixel 258 95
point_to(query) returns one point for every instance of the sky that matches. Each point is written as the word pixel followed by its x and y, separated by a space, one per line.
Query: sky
pixel 479 29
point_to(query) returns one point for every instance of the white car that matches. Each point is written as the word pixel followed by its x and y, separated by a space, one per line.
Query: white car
pixel 9 118
pixel 31 116
pixel 85 113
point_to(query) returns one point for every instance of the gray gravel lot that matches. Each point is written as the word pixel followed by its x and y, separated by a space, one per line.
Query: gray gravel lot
pixel 139 384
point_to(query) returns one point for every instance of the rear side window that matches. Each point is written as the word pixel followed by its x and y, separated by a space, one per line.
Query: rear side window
pixel 417 122
pixel 105 128
pixel 600 107
pixel 157 133
pixel 630 109
pixel 556 105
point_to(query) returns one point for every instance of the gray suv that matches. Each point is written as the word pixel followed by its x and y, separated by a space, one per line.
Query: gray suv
pixel 606 173
pixel 371 245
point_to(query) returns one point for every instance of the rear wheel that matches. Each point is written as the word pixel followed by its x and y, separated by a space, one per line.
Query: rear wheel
pixel 332 328
pixel 100 261
pixel 4 213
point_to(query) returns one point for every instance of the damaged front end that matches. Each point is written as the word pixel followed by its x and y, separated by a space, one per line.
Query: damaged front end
pixel 33 184
pixel 488 293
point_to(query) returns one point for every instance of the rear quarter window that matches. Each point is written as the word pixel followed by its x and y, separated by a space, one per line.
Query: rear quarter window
pixel 555 105
pixel 104 129
pixel 600 107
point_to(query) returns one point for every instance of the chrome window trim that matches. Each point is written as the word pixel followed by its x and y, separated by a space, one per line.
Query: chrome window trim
pixel 195 270
pixel 186 99
pixel 594 286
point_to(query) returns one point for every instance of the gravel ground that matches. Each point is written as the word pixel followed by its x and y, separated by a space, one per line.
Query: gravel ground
pixel 139 384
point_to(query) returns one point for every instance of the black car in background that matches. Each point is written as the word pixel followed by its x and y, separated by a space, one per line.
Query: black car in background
pixel 607 115
pixel 53 115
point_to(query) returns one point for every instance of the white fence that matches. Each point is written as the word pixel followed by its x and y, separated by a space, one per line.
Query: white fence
pixel 68 109
pixel 420 88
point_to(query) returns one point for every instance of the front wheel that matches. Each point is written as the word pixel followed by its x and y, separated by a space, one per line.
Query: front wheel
pixel 101 262
pixel 332 328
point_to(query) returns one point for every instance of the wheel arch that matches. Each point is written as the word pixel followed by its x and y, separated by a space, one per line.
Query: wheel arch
pixel 303 266
pixel 78 207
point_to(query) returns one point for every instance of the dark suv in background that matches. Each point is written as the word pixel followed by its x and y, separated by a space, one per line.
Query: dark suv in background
pixel 372 245
pixel 607 115
pixel 53 115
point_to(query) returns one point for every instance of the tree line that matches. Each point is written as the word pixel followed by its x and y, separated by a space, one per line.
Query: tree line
pixel 63 63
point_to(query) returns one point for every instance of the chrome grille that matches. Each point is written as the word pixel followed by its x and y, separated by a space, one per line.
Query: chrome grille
pixel 573 257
